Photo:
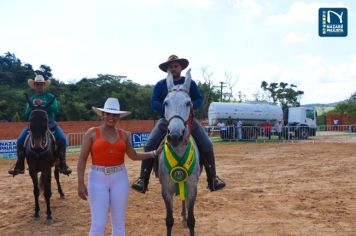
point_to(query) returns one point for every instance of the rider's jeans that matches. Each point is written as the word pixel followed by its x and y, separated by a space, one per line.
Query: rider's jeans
pixel 108 192
pixel 57 131
pixel 199 134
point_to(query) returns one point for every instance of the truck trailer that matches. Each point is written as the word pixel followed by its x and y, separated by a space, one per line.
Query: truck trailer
pixel 300 122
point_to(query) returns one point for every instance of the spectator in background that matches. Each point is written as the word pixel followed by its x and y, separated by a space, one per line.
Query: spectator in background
pixel 220 124
pixel 279 128
pixel 239 129
pixel 335 123
pixel 267 126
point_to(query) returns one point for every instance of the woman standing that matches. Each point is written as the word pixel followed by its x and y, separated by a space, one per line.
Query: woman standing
pixel 108 183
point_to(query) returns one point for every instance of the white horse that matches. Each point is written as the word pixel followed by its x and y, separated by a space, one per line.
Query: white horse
pixel 175 176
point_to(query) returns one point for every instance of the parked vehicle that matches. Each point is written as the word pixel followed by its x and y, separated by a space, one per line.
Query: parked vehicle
pixel 300 122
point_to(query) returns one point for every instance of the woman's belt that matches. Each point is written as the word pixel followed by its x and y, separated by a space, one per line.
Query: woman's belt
pixel 108 170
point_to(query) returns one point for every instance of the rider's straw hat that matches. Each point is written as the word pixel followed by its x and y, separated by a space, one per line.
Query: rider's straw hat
pixel 38 79
pixel 111 106
pixel 173 58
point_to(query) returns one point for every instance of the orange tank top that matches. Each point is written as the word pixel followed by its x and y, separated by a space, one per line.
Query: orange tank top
pixel 104 153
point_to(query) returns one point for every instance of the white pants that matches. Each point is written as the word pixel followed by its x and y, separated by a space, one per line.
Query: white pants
pixel 108 192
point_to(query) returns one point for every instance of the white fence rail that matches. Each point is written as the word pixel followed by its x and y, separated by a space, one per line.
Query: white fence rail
pixel 340 133
pixel 330 133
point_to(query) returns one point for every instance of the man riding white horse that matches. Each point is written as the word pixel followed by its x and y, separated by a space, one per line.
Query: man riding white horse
pixel 175 65
pixel 39 84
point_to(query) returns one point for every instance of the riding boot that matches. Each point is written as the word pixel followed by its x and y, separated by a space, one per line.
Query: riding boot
pixel 141 183
pixel 19 167
pixel 63 167
pixel 214 182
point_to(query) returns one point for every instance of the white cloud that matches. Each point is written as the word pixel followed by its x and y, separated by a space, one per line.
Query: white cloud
pixel 251 8
pixel 200 3
pixel 321 80
pixel 300 12
pixel 293 37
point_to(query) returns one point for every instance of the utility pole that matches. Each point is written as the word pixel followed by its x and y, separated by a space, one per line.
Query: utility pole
pixel 221 90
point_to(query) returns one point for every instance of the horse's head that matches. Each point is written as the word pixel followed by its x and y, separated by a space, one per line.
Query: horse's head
pixel 177 109
pixel 38 123
pixel 38 118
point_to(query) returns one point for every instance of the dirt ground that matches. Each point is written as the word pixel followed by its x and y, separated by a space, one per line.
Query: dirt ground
pixel 272 189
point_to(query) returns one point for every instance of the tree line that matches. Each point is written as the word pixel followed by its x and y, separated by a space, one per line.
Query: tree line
pixel 76 99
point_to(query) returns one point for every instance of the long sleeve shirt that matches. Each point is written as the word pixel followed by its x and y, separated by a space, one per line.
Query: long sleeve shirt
pixel 160 92
pixel 45 97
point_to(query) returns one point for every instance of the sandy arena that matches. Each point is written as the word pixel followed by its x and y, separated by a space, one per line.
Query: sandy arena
pixel 272 189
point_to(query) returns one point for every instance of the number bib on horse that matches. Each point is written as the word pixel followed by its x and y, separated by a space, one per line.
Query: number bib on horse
pixel 180 168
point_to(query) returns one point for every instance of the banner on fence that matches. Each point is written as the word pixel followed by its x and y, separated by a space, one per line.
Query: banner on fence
pixel 139 139
pixel 8 149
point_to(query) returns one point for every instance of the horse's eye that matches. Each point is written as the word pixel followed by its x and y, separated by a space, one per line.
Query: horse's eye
pixel 188 104
pixel 165 103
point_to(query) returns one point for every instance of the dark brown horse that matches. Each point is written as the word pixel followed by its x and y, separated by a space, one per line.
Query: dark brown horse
pixel 40 153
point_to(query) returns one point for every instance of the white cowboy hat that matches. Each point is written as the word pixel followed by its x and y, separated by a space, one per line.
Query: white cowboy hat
pixel 111 106
pixel 173 58
pixel 38 79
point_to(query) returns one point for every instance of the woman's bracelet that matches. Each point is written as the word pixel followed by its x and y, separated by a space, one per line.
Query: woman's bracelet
pixel 154 154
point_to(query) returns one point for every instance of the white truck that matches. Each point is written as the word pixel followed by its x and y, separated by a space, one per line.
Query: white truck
pixel 299 123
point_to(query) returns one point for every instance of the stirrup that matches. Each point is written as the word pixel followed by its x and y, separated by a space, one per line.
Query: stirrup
pixel 139 185
pixel 216 184
pixel 64 169
pixel 15 171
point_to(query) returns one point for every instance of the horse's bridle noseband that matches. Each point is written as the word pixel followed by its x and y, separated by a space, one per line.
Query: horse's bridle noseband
pixel 178 117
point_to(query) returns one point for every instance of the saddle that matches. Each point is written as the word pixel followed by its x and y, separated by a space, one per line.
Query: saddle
pixel 49 136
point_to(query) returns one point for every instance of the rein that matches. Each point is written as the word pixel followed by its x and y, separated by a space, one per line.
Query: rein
pixel 187 123
pixel 190 123
pixel 44 143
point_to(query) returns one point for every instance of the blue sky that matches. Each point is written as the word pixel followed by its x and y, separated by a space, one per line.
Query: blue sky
pixel 250 40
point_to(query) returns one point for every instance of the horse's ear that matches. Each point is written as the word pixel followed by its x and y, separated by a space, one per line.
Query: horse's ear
pixel 169 80
pixel 28 100
pixel 188 80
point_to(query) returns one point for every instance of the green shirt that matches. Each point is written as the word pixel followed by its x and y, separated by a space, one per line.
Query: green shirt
pixel 45 97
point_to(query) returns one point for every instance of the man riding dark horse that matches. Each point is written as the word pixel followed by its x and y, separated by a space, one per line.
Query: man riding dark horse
pixel 175 65
pixel 39 84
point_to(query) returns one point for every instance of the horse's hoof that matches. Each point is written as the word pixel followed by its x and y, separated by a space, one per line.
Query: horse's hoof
pixel 36 216
pixel 49 220
pixel 62 196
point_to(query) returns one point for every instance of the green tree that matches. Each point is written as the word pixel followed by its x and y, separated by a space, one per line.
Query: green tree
pixel 353 97
pixel 208 93
pixel 286 95
pixel 348 107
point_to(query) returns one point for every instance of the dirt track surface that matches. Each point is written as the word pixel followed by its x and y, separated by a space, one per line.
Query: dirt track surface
pixel 272 189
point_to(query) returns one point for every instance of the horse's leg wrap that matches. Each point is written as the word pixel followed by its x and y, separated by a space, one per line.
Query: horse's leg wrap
pixel 214 182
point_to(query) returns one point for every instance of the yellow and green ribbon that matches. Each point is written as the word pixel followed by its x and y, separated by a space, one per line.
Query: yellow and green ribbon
pixel 180 168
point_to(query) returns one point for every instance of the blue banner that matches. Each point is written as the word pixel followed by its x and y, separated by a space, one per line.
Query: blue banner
pixel 8 149
pixel 139 139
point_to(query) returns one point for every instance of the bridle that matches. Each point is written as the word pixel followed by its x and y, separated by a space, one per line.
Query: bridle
pixel 187 123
